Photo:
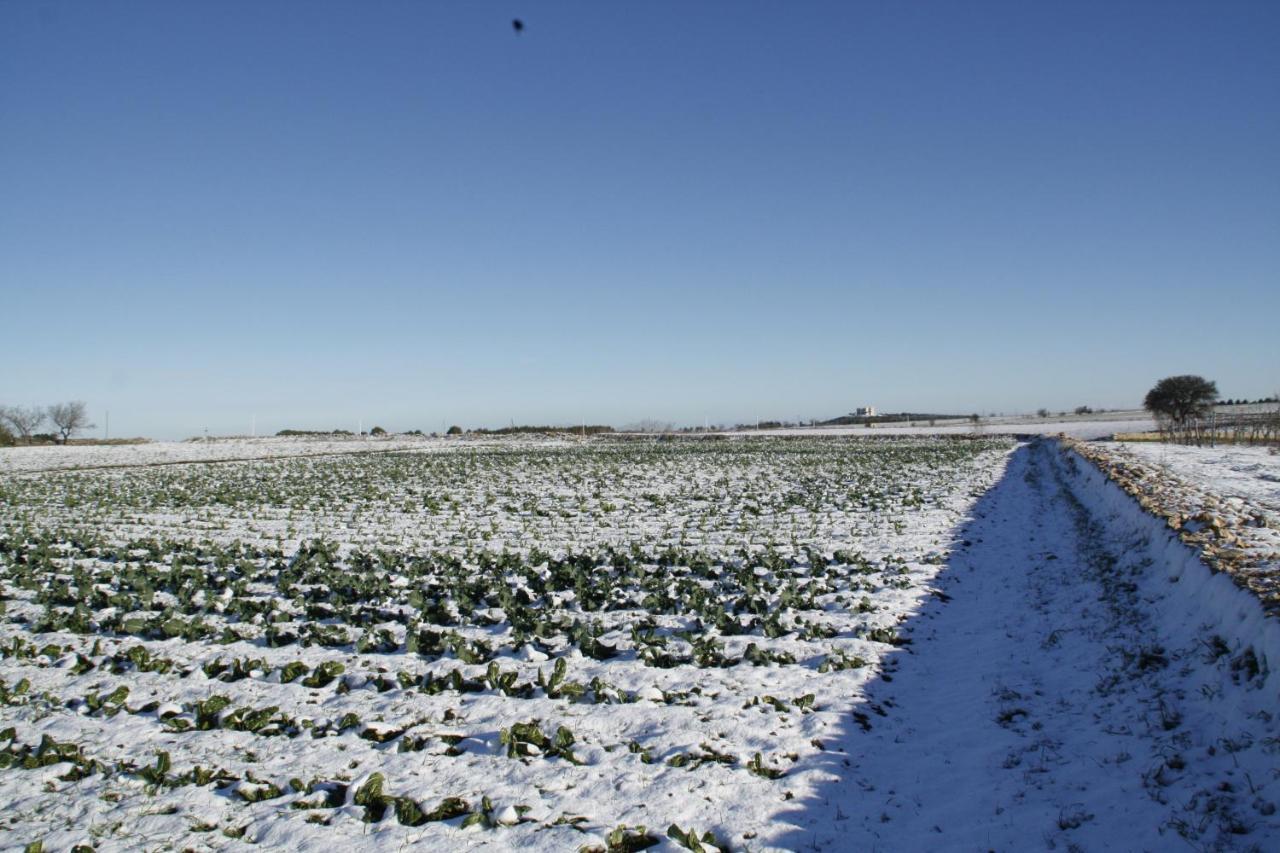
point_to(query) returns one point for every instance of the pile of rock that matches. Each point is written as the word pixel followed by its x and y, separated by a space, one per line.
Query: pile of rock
pixel 1234 538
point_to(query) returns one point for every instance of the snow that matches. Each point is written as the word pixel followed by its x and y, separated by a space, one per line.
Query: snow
pixel 1225 501
pixel 1251 474
pixel 1195 592
pixel 1064 696
pixel 57 457
pixel 667 745
pixel 1073 675
pixel 89 456
pixel 1085 428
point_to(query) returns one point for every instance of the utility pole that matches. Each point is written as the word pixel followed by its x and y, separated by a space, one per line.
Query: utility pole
pixel 106 427
pixel 253 426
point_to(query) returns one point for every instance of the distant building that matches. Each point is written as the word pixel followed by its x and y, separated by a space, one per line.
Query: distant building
pixel 865 412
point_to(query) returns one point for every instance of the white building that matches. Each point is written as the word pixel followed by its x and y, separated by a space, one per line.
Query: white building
pixel 865 412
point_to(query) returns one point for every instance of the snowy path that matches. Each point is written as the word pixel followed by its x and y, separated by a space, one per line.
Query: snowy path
pixel 1039 708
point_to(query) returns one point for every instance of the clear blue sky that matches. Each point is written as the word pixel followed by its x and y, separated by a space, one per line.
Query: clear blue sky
pixel 315 212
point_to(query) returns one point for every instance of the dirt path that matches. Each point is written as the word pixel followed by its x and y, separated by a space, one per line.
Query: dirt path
pixel 1039 708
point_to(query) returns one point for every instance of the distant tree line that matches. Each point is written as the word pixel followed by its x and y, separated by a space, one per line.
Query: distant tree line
pixel 376 431
pixel 1079 410
pixel 312 432
pixel 649 425
pixel 21 424
pixel 519 429
pixel 515 429
pixel 887 417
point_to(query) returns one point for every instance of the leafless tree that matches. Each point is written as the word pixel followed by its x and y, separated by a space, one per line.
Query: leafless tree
pixel 24 420
pixel 70 418
pixel 649 425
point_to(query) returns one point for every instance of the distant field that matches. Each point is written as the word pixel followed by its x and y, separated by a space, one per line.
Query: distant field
pixel 1093 426
pixel 128 454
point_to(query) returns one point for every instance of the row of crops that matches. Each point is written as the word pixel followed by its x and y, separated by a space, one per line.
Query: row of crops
pixel 604 646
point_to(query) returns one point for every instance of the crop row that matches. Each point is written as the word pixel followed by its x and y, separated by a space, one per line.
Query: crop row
pixel 543 642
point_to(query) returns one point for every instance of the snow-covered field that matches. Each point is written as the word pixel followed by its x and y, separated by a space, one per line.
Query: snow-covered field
pixel 798 643
pixel 50 458
pixel 1248 474
pixel 1086 428
pixel 555 640
pixel 57 457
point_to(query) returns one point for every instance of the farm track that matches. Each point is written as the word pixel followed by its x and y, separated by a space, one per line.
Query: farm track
pixel 1042 706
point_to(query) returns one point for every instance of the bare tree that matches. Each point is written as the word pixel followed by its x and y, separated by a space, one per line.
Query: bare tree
pixel 24 421
pixel 70 418
pixel 650 425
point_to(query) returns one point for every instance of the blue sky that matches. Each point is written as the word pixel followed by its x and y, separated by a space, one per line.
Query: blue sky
pixel 317 212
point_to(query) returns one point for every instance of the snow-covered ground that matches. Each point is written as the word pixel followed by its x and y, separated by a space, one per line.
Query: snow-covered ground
pixel 72 457
pixel 1064 695
pixel 1251 474
pixel 1086 428
pixel 685 622
pixel 51 458
pixel 1224 501
pixel 895 645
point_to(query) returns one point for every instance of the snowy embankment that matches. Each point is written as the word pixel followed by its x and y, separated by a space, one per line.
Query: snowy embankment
pixel 1222 503
pixel 1201 594
pixel 1059 693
